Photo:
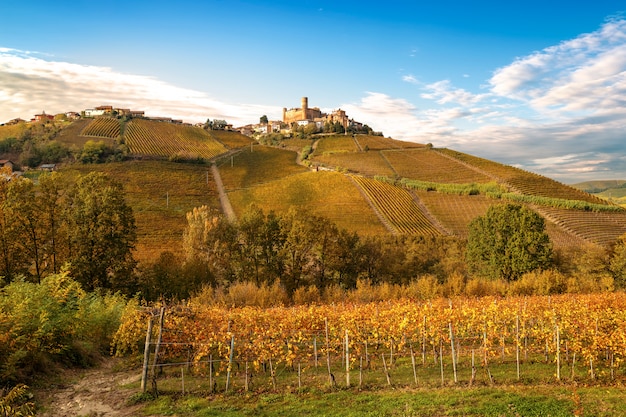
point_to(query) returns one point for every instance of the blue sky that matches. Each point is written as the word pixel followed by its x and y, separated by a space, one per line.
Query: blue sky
pixel 539 85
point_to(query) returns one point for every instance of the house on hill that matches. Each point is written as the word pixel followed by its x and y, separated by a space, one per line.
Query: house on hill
pixel 42 117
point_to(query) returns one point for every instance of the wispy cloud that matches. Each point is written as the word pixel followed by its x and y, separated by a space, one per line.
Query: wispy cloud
pixel 560 111
pixel 30 84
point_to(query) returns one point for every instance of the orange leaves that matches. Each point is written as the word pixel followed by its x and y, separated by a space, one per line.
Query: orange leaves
pixel 591 326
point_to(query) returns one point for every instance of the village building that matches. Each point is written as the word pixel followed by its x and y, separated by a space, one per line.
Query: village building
pixel 306 115
pixel 42 117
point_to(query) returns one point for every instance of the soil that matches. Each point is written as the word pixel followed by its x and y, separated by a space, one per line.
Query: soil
pixel 102 391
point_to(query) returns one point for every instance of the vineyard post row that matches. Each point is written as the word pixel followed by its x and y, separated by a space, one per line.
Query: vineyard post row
pixel 597 345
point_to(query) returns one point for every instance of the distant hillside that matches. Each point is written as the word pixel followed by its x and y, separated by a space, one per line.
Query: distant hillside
pixel 368 184
pixel 611 190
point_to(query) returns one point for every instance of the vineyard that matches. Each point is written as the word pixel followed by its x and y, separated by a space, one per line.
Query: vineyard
pixel 377 143
pixel 523 181
pixel 365 163
pixel 328 194
pixel 398 207
pixel 455 212
pixel 428 165
pixel 232 140
pixel 102 127
pixel 160 194
pixel 257 165
pixel 600 228
pixel 335 144
pixel 151 138
pixel 482 341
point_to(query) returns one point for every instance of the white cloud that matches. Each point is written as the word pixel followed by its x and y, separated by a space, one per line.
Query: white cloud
pixel 29 84
pixel 410 79
pixel 443 93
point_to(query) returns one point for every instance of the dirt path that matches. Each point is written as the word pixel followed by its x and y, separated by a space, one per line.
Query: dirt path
pixel 98 392
pixel 227 209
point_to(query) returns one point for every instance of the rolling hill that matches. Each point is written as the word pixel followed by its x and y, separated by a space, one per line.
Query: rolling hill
pixel 368 184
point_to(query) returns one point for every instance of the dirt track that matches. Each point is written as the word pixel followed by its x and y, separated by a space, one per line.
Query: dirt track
pixel 97 392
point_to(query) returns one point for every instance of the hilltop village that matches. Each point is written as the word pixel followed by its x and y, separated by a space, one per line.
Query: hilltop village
pixel 307 119
pixel 304 118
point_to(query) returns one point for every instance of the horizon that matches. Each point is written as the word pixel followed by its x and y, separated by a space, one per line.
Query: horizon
pixel 537 86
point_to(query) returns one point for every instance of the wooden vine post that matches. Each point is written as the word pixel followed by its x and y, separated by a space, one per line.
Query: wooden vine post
pixel 347 360
pixel 454 357
pixel 156 351
pixel 146 355
pixel 331 379
pixel 230 362
pixel 517 341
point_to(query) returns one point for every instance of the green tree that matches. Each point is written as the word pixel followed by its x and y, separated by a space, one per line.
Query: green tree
pixel 12 257
pixel 52 190
pixel 210 238
pixel 102 233
pixel 508 241
pixel 23 206
pixel 300 233
pixel 263 120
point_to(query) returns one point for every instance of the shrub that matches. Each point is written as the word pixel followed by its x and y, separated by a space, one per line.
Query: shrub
pixel 55 321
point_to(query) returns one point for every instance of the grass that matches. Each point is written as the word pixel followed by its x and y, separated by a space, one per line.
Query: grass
pixel 536 394
pixel 232 140
pixel 428 165
pixel 261 165
pixel 329 194
pixel 335 144
pixel 367 163
pixel 160 193
pixel 380 143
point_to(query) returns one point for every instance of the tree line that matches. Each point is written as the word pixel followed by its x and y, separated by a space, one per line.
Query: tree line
pixel 83 227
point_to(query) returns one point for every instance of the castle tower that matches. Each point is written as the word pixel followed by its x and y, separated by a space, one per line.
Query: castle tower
pixel 305 107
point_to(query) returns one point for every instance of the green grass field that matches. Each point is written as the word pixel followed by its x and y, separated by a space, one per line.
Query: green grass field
pixel 536 393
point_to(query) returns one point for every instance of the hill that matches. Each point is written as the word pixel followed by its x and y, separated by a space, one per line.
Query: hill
pixel 612 190
pixel 368 184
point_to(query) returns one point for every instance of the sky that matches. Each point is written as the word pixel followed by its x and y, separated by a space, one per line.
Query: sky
pixel 540 85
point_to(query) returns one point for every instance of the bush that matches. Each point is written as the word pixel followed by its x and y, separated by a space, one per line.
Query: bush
pixel 53 322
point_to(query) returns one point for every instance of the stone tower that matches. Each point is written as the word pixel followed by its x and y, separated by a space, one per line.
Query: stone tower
pixel 305 107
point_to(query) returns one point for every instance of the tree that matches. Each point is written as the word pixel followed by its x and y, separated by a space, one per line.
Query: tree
pixel 508 241
pixel 12 258
pixel 210 238
pixel 102 233
pixel 23 206
pixel 263 120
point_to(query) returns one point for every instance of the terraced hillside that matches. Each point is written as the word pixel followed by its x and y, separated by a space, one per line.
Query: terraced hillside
pixel 103 127
pixel 522 181
pixel 232 140
pixel 153 138
pixel 257 165
pixel 428 165
pixel 329 194
pixel 398 207
pixel 339 184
